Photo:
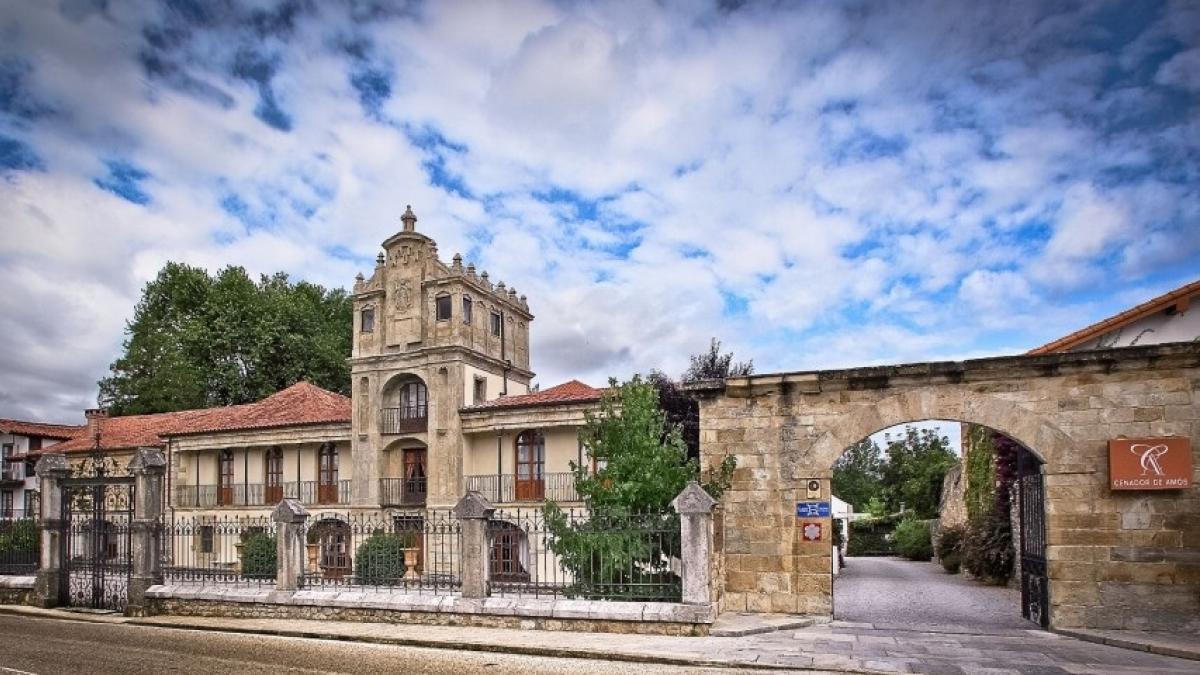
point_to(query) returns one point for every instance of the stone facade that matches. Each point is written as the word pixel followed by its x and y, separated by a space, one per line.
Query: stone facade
pixel 1116 560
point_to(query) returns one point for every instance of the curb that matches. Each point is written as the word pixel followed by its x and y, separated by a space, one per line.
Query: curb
pixel 1130 644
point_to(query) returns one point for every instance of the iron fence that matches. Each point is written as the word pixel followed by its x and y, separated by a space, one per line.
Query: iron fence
pixel 237 550
pixel 258 494
pixel 578 554
pixel 20 541
pixel 503 488
pixel 418 552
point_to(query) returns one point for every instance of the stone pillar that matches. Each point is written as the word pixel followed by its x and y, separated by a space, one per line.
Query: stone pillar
pixel 50 469
pixel 694 507
pixel 290 517
pixel 148 466
pixel 474 511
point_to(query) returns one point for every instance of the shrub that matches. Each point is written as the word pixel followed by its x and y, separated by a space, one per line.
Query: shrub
pixel 987 548
pixel 871 536
pixel 949 548
pixel 380 559
pixel 912 540
pixel 258 556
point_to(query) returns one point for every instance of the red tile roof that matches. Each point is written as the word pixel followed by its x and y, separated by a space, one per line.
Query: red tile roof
pixel 565 393
pixel 1161 303
pixel 59 432
pixel 300 404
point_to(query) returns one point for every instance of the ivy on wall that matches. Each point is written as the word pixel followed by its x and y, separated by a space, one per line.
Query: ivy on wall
pixel 981 471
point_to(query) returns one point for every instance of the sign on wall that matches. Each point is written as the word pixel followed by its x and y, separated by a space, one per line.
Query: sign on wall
pixel 811 531
pixel 812 509
pixel 1150 463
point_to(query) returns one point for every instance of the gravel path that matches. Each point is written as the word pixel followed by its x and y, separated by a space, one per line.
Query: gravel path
pixel 896 592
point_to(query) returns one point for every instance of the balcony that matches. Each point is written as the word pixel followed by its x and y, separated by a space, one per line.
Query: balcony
pixel 402 421
pixel 501 489
pixel 13 471
pixel 258 494
pixel 402 491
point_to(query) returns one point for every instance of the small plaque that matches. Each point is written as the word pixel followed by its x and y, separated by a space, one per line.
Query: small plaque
pixel 811 531
pixel 1150 463
pixel 812 509
pixel 812 487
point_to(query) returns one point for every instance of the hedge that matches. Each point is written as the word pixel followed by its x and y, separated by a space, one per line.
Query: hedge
pixel 872 537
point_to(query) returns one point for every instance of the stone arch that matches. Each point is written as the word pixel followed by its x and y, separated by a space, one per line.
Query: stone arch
pixel 1032 430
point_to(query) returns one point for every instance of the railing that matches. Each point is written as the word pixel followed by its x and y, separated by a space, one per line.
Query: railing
pixel 418 553
pixel 402 491
pixel 578 554
pixel 14 471
pixel 20 542
pixel 401 421
pixel 239 550
pixel 258 494
pixel 506 488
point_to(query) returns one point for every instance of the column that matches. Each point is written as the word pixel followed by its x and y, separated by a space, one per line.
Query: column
pixel 290 517
pixel 694 507
pixel 50 469
pixel 473 512
pixel 148 466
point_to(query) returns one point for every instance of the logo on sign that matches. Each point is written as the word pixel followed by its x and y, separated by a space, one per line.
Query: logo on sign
pixel 1163 463
pixel 1148 457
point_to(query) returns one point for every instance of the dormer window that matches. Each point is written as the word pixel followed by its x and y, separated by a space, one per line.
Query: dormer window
pixel 443 307
pixel 497 324
pixel 367 320
pixel 466 310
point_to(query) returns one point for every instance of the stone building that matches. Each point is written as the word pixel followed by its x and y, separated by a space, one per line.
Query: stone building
pixel 20 443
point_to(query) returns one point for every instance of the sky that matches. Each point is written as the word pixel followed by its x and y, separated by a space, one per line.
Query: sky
pixel 819 185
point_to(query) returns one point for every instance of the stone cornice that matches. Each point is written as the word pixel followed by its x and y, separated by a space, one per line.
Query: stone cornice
pixel 508 419
pixel 287 435
pixel 452 353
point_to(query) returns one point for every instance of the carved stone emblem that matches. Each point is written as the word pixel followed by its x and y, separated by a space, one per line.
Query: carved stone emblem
pixel 403 294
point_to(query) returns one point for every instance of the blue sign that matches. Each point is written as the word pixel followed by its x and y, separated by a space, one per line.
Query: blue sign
pixel 812 509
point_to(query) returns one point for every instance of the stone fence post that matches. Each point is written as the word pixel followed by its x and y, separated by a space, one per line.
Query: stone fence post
pixel 148 466
pixel 694 507
pixel 290 517
pixel 51 469
pixel 474 511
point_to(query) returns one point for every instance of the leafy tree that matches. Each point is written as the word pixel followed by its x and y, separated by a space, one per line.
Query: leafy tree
pixel 858 474
pixel 198 341
pixel 917 463
pixel 713 365
pixel 624 546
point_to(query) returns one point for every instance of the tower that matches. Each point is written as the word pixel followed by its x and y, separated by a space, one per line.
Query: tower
pixel 429 338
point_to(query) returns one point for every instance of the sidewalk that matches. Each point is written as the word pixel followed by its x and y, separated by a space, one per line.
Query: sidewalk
pixel 1183 645
pixel 838 646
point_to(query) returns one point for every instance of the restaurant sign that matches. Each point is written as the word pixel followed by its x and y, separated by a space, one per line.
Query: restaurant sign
pixel 1150 463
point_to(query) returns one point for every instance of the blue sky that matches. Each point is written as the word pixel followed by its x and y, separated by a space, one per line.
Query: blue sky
pixel 816 184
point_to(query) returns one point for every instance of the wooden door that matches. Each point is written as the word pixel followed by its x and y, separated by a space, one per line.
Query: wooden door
pixel 531 464
pixel 327 474
pixel 273 489
pixel 225 478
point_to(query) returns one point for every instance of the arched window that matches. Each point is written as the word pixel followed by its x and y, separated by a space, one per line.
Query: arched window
pixel 413 402
pixel 327 474
pixel 273 492
pixel 225 478
pixel 531 465
pixel 510 550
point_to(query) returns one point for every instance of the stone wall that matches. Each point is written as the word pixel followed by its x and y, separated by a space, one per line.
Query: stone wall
pixel 1116 560
pixel 16 590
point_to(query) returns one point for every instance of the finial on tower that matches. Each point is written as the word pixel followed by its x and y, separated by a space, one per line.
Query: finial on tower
pixel 409 219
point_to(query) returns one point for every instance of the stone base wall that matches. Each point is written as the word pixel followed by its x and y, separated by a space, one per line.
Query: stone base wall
pixel 565 615
pixel 16 590
pixel 1115 559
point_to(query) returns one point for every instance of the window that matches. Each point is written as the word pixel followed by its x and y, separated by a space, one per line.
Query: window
pixel 414 473
pixel 327 474
pixel 207 533
pixel 466 310
pixel 497 324
pixel 531 465
pixel 443 307
pixel 274 486
pixel 225 478
pixel 413 401
pixel 6 504
pixel 367 323
pixel 31 503
pixel 480 390
pixel 509 549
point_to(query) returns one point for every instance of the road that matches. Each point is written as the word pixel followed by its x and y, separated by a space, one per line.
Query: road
pixel 52 646
pixel 899 592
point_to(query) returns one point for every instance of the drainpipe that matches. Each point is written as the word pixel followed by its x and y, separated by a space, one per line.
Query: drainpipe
pixel 499 462
pixel 504 355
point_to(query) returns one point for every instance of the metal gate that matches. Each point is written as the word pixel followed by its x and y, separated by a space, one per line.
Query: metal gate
pixel 97 512
pixel 1035 592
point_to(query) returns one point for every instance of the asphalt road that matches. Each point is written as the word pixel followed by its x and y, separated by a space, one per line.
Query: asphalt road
pixel 51 646
pixel 899 592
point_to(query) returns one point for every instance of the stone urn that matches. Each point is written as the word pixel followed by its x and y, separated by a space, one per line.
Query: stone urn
pixel 410 563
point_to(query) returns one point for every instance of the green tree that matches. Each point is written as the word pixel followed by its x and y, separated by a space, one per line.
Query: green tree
pixel 198 341
pixel 713 365
pixel 917 463
pixel 858 474
pixel 624 545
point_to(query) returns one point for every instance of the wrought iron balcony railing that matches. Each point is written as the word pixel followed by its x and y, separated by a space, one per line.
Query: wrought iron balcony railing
pixel 402 421
pixel 402 491
pixel 508 488
pixel 258 494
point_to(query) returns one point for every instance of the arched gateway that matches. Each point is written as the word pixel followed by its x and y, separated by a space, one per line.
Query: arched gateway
pixel 1115 559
